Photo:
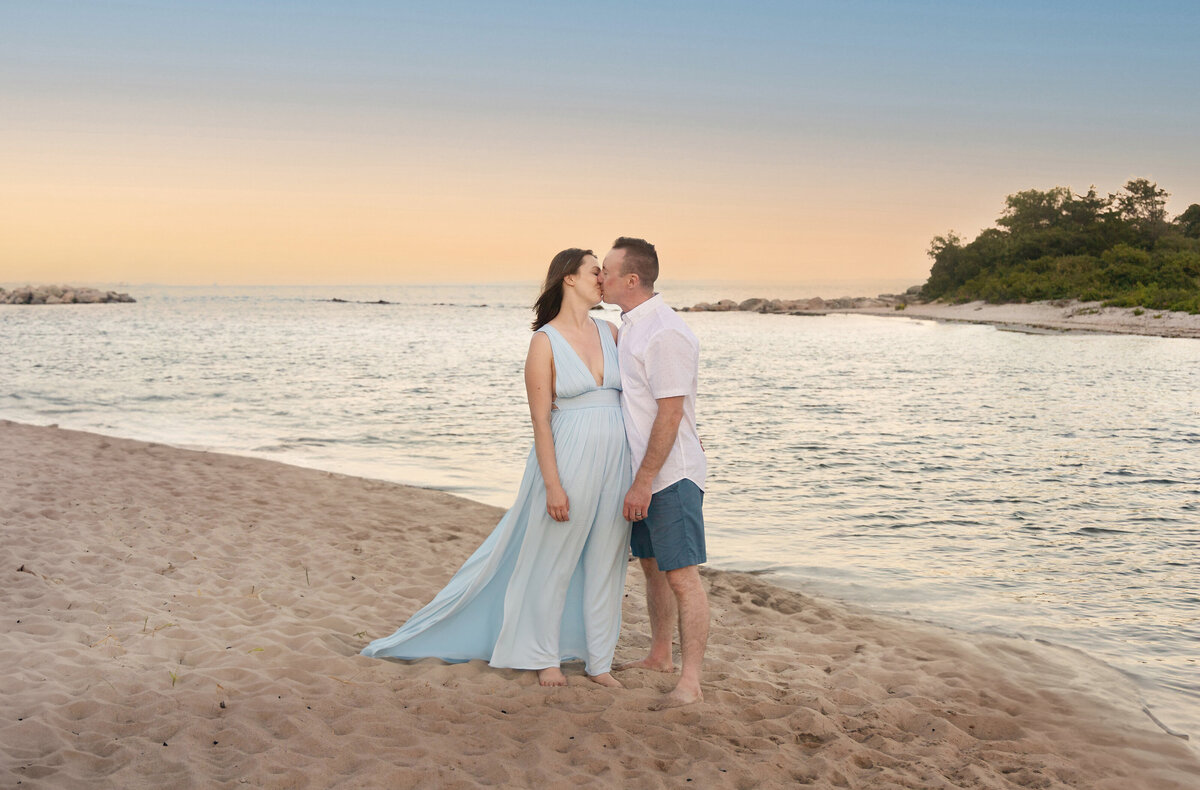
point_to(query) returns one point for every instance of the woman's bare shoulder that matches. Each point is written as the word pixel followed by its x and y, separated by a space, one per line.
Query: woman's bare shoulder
pixel 539 343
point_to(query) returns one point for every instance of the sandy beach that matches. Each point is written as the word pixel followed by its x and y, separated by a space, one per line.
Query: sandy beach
pixel 186 619
pixel 1069 316
pixel 1059 316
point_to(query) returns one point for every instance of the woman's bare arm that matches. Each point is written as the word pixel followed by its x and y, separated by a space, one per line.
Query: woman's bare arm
pixel 539 389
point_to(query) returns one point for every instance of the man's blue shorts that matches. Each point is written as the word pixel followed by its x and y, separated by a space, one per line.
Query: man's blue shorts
pixel 673 530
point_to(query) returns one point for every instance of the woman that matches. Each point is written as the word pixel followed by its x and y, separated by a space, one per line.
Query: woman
pixel 546 585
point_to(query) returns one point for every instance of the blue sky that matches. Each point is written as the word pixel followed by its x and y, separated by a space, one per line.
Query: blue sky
pixel 808 136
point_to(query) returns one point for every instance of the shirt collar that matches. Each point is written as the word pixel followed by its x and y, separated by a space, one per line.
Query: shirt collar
pixel 641 311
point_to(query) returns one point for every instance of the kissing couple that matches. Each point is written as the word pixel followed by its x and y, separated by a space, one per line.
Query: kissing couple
pixel 616 466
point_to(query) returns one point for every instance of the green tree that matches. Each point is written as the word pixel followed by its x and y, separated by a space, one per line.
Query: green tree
pixel 1189 221
pixel 1143 204
pixel 1055 244
pixel 1084 212
pixel 1034 210
pixel 946 252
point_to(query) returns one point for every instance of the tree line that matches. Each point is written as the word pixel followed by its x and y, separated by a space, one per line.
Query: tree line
pixel 1120 249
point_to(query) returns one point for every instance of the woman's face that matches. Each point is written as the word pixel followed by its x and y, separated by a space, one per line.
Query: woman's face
pixel 587 279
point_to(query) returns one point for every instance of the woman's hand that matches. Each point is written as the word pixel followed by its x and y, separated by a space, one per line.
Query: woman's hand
pixel 557 504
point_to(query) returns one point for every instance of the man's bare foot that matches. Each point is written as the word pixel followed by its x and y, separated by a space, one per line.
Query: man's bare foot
pixel 646 663
pixel 551 676
pixel 606 680
pixel 677 699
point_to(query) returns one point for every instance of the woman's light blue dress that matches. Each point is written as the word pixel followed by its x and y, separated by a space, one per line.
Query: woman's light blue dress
pixel 539 591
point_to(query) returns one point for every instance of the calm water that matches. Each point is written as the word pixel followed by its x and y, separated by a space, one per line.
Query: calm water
pixel 1047 486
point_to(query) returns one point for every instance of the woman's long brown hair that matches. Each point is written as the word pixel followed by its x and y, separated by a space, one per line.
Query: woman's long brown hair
pixel 549 303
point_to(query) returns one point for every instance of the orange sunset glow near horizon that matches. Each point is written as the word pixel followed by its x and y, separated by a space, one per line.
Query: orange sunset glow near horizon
pixel 262 143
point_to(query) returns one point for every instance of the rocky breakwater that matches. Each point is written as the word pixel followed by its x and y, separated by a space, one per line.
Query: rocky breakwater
pixel 60 294
pixel 813 306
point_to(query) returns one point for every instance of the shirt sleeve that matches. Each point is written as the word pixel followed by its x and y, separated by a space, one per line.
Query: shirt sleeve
pixel 671 360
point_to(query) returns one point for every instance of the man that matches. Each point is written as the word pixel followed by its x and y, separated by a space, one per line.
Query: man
pixel 659 363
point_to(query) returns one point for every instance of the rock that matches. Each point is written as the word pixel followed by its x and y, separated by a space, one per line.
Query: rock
pixel 60 294
pixel 855 303
pixel 805 306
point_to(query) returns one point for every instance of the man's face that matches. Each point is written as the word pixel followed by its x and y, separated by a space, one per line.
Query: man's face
pixel 614 287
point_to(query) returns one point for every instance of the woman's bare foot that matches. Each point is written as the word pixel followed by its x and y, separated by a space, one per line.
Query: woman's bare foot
pixel 607 680
pixel 551 676
pixel 646 663
pixel 677 699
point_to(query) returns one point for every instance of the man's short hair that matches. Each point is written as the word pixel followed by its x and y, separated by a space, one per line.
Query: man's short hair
pixel 640 259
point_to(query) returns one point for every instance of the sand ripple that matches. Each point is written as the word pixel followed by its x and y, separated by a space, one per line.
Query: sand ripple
pixel 181 619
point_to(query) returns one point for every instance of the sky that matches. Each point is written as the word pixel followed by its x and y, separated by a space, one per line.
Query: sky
pixel 392 142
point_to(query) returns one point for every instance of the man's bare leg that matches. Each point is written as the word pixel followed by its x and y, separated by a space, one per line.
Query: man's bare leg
pixel 688 590
pixel 606 679
pixel 551 676
pixel 660 602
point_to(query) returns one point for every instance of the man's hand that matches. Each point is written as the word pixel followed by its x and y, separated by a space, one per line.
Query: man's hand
pixel 637 502
pixel 557 504
pixel 662 439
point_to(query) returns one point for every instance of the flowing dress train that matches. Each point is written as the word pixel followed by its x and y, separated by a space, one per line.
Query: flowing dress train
pixel 537 591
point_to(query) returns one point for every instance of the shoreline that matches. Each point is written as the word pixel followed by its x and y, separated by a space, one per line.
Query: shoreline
pixel 1051 318
pixel 194 618
pixel 1048 317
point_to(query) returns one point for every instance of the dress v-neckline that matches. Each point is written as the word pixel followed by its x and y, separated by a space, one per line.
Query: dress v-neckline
pixel 582 361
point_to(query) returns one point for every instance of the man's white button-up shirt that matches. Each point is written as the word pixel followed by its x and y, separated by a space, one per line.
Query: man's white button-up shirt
pixel 660 358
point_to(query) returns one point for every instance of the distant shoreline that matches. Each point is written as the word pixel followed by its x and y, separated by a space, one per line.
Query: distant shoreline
pixel 1057 316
